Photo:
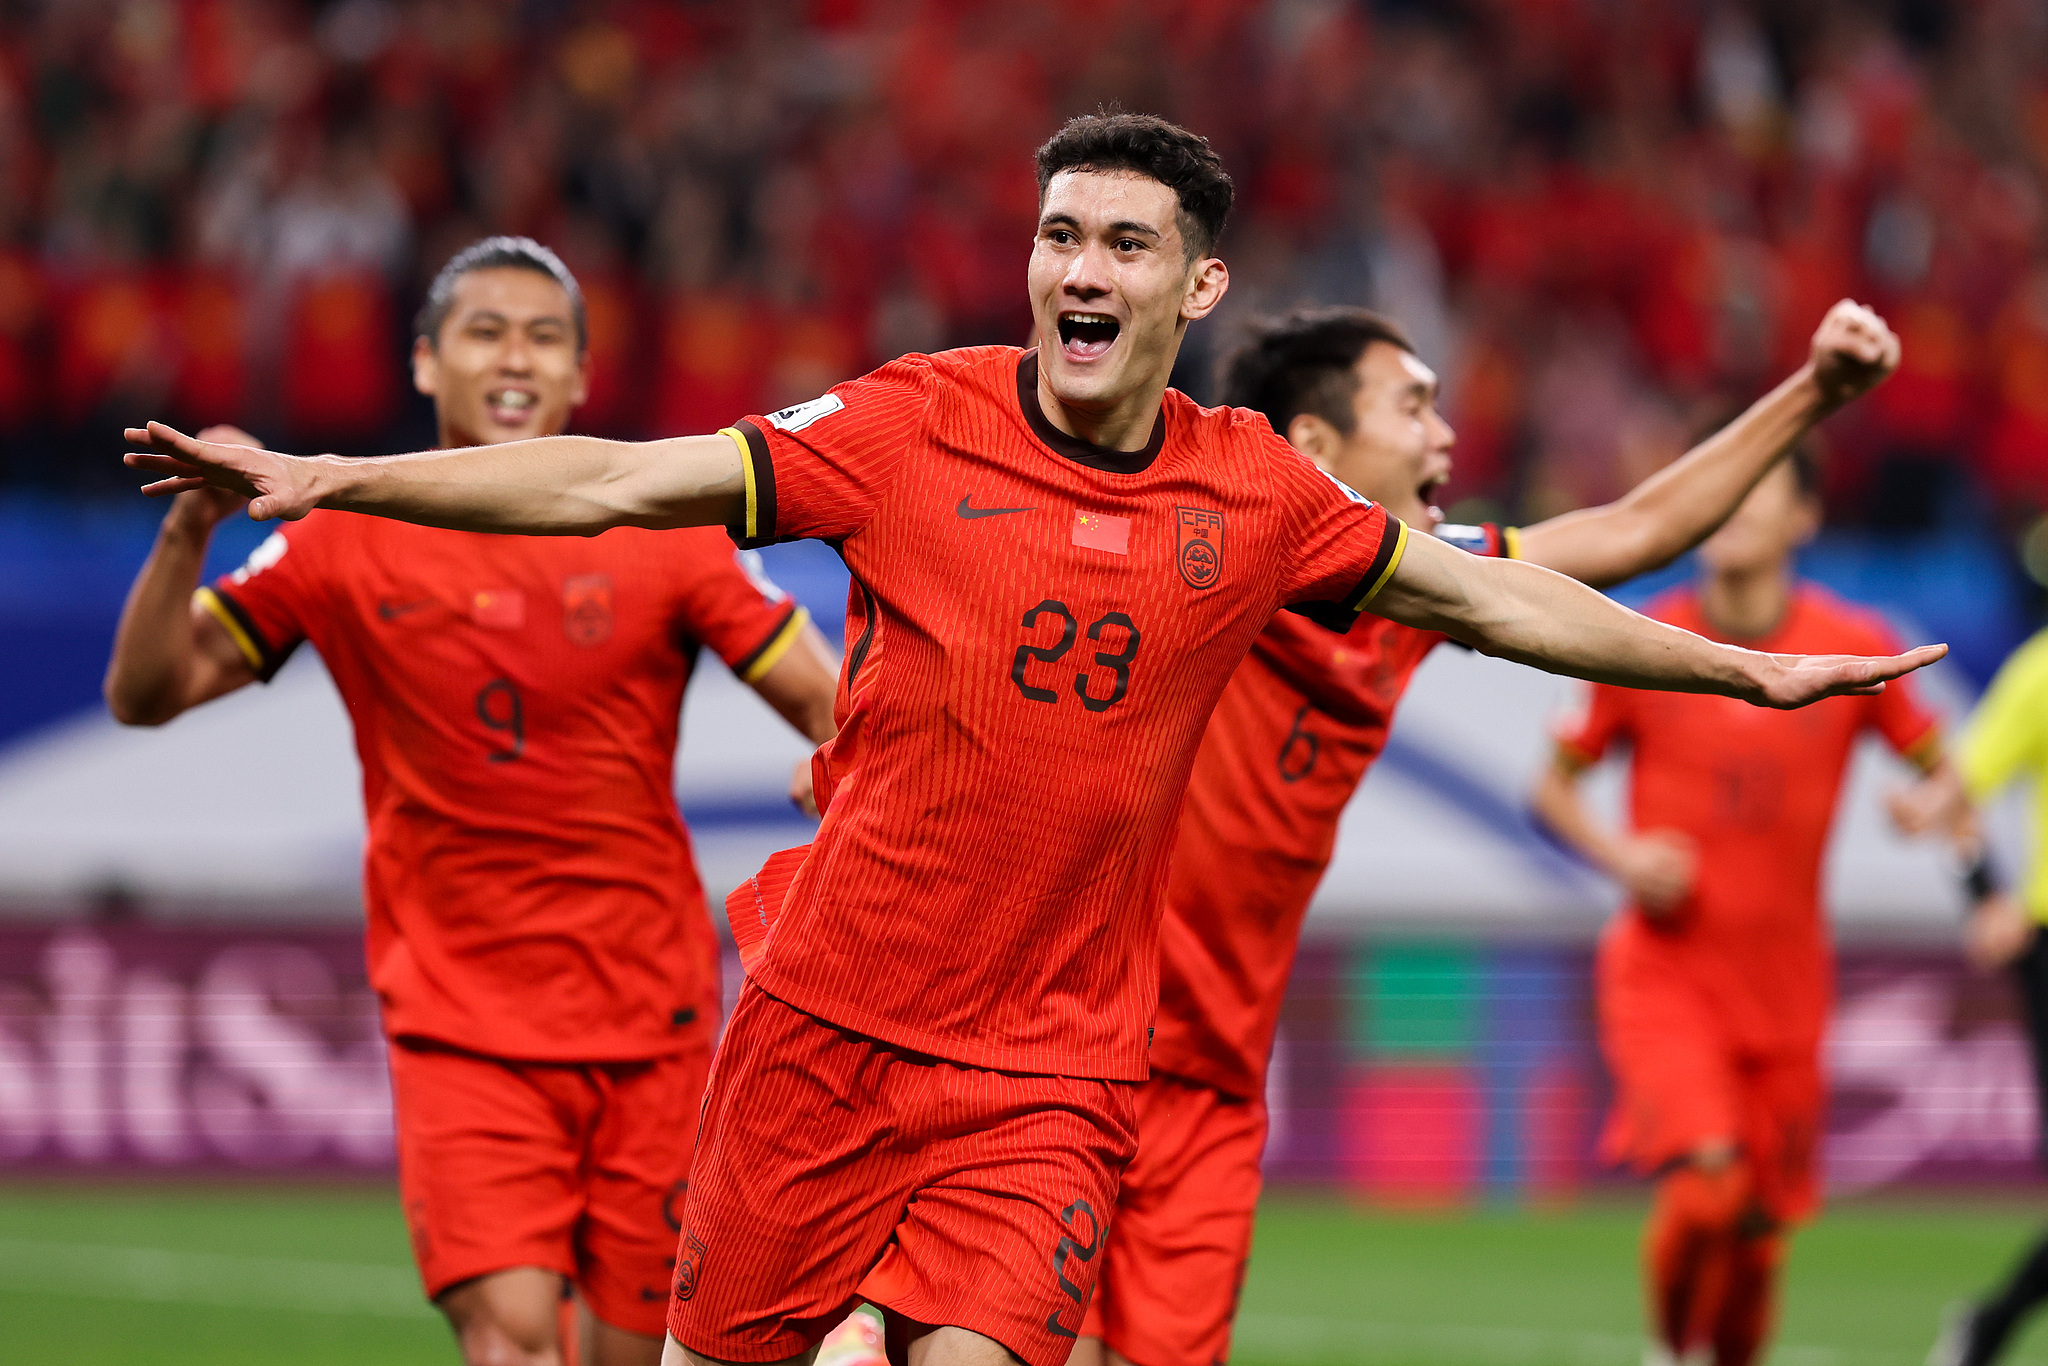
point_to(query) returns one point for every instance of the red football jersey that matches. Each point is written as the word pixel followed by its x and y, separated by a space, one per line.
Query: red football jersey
pixel 528 882
pixel 1038 630
pixel 1755 791
pixel 1303 719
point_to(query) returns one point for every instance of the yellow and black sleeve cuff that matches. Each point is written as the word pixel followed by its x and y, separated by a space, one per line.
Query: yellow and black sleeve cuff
pixel 235 620
pixel 756 526
pixel 770 651
pixel 1342 615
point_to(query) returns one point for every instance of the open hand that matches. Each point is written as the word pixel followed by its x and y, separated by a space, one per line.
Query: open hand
pixel 1853 350
pixel 277 485
pixel 1789 681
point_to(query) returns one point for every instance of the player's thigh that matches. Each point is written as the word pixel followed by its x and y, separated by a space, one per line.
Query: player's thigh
pixel 488 1163
pixel 637 1169
pixel 511 1316
pixel 1004 1233
pixel 673 1353
pixel 1784 1106
pixel 1174 1258
pixel 1675 1075
pixel 798 1180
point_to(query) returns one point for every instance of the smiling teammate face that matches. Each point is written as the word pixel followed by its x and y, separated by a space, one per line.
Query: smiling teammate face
pixel 1399 451
pixel 1112 288
pixel 505 366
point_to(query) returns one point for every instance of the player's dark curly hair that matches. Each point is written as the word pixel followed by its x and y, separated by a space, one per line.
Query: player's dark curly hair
pixel 493 253
pixel 1304 362
pixel 1182 161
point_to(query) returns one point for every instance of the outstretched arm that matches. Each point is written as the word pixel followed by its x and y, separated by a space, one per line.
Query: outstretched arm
pixel 549 486
pixel 169 653
pixel 1680 505
pixel 1533 616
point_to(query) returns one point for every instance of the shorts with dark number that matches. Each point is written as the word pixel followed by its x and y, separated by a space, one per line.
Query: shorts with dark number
pixel 833 1169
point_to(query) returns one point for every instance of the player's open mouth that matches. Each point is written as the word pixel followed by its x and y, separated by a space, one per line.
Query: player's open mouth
pixel 1426 491
pixel 1087 336
pixel 511 406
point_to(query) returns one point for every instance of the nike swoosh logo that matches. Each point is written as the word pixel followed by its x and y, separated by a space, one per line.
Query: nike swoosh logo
pixel 393 611
pixel 971 512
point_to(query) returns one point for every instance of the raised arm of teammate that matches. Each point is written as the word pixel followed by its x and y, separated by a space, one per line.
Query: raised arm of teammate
pixel 170 654
pixel 546 486
pixel 802 687
pixel 1679 506
pixel 1536 616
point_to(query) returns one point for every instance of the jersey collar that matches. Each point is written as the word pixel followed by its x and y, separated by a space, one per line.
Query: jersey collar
pixel 1073 447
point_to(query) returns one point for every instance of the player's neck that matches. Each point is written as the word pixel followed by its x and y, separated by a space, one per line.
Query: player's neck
pixel 1747 604
pixel 1127 426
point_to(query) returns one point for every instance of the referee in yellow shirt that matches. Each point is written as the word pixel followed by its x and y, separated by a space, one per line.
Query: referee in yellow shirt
pixel 2006 739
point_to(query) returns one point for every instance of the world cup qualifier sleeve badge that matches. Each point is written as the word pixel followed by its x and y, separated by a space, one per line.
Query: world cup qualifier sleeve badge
pixel 1201 546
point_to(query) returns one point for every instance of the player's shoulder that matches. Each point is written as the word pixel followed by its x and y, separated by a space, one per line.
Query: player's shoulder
pixel 1838 625
pixel 1240 427
pixel 2031 657
pixel 969 376
pixel 1678 606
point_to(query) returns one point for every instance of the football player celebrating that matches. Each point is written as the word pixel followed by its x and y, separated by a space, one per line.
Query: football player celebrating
pixel 927 1092
pixel 1303 719
pixel 1714 985
pixel 538 939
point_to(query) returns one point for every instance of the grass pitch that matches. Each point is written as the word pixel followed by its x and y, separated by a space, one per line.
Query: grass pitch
pixel 235 1276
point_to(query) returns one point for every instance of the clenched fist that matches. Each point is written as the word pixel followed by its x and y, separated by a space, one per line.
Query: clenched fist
pixel 1853 350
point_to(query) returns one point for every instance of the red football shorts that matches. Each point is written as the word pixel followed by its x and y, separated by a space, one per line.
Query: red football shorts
pixel 1174 1261
pixel 1679 1081
pixel 833 1169
pixel 575 1167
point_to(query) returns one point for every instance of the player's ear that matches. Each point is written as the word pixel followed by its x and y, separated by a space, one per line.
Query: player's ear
pixel 1208 282
pixel 1810 517
pixel 581 391
pixel 426 367
pixel 1314 437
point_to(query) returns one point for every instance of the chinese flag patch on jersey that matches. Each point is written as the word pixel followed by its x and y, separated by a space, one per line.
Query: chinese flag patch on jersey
pixel 1099 531
pixel 1201 545
pixel 503 609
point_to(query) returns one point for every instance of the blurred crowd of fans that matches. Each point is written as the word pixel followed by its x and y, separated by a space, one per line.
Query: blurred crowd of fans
pixel 1607 222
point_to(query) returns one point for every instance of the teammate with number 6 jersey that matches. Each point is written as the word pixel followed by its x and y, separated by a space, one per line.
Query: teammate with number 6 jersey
pixel 537 936
pixel 1304 717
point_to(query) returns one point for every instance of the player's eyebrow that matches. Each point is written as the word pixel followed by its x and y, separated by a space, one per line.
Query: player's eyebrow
pixel 1131 225
pixel 493 316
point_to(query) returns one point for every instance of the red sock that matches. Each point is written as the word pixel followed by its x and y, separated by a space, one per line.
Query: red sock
pixel 1689 1250
pixel 1751 1302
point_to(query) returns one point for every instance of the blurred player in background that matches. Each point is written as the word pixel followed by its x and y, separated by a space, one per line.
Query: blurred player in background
pixel 538 937
pixel 1303 719
pixel 1714 985
pixel 2006 740
pixel 927 1092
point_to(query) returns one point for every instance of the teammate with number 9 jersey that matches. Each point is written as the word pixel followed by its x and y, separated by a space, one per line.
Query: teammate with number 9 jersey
pixel 537 935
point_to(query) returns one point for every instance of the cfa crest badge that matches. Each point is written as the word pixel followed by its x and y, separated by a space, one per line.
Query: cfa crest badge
pixel 689 1265
pixel 587 608
pixel 1201 546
